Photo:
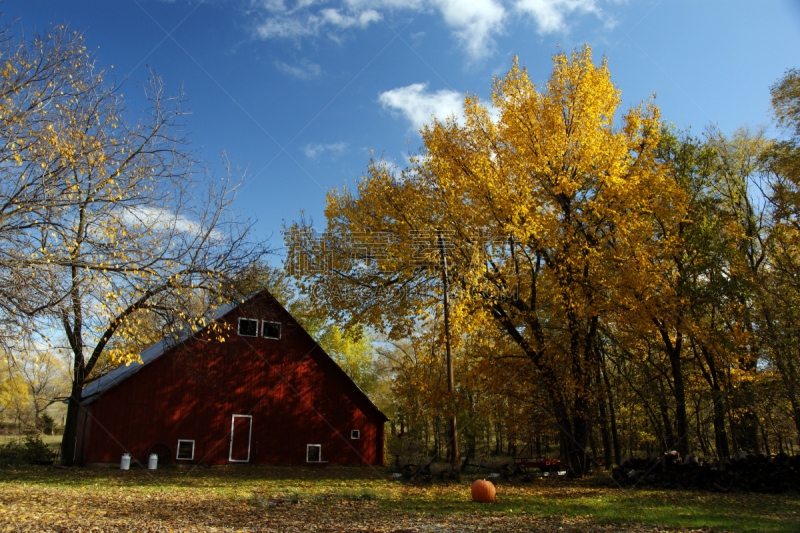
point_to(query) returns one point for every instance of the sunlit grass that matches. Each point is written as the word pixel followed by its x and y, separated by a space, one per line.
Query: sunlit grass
pixel 686 509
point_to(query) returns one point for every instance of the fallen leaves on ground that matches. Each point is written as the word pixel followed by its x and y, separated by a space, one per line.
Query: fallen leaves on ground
pixel 57 509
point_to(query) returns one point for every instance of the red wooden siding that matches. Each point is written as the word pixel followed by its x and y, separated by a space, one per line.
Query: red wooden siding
pixel 293 392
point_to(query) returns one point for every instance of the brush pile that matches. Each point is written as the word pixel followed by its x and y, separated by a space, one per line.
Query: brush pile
pixel 745 473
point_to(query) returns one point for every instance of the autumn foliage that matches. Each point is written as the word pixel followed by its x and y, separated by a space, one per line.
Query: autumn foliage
pixel 615 284
pixel 550 214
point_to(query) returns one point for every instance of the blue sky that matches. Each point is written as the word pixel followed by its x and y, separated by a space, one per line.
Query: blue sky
pixel 299 92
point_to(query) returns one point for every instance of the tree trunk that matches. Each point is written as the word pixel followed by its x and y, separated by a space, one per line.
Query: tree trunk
pixel 613 416
pixel 749 440
pixel 699 429
pixel 681 419
pixel 68 457
pixel 451 388
pixel 604 433
pixel 668 438
pixel 601 407
pixel 436 437
pixel 720 435
pixel 788 371
pixel 788 377
pixel 674 352
pixel 574 443
pixel 718 398
pixel 766 440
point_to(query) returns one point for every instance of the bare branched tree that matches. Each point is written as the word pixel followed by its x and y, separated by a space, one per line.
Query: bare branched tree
pixel 103 224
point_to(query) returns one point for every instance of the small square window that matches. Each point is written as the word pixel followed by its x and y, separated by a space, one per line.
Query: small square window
pixel 185 450
pixel 248 327
pixel 355 434
pixel 271 330
pixel 313 453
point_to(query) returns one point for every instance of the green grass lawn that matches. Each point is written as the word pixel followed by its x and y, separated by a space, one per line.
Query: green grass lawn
pixel 243 496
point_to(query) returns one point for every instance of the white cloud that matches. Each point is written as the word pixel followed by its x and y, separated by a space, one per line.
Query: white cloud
pixel 286 27
pixel 551 15
pixel 417 105
pixel 305 70
pixel 386 4
pixel 314 150
pixel 473 23
pixel 362 20
pixel 301 20
pixel 158 219
pixel 273 5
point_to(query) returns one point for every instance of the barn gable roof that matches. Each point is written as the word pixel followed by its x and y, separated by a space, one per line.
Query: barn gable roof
pixel 98 387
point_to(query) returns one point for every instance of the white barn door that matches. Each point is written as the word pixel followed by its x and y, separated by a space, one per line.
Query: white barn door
pixel 241 431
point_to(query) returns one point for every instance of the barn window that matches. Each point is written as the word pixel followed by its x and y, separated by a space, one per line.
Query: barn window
pixel 355 434
pixel 314 453
pixel 185 450
pixel 248 327
pixel 271 330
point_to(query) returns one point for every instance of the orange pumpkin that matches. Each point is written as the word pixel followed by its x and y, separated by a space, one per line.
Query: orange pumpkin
pixel 483 491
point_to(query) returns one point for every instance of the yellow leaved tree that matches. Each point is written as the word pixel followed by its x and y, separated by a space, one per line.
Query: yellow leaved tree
pixel 547 215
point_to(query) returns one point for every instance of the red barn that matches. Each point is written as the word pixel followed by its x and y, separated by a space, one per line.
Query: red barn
pixel 268 394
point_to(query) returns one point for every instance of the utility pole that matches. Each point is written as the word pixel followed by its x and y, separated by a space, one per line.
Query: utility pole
pixel 451 386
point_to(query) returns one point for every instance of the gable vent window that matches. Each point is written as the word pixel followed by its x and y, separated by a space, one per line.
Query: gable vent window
pixel 355 434
pixel 314 453
pixel 248 327
pixel 271 330
pixel 185 450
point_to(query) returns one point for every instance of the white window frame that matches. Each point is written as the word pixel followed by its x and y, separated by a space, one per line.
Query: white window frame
pixel 178 451
pixel 263 329
pixel 355 434
pixel 249 439
pixel 239 331
pixel 308 449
